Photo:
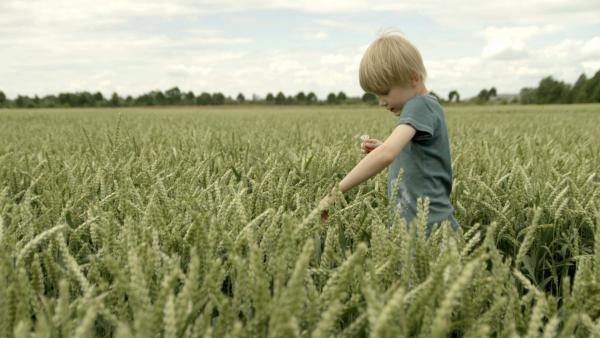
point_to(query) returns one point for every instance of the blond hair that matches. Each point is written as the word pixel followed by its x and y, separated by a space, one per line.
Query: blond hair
pixel 390 60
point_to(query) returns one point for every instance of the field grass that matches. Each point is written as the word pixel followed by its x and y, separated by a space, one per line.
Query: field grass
pixel 187 222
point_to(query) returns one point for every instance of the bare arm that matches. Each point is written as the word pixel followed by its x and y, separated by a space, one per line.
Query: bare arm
pixel 379 158
pixel 372 164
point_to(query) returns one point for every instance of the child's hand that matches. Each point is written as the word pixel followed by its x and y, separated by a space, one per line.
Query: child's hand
pixel 368 145
pixel 324 204
pixel 324 216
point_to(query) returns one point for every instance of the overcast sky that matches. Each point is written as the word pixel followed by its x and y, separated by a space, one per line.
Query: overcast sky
pixel 232 46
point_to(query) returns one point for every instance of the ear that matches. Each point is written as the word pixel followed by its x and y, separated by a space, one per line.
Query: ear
pixel 415 79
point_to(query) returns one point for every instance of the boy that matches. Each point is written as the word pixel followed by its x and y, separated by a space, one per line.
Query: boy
pixel 392 68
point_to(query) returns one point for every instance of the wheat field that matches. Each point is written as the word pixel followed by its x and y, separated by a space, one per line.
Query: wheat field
pixel 203 222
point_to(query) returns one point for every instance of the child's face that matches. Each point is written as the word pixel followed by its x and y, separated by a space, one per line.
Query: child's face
pixel 395 99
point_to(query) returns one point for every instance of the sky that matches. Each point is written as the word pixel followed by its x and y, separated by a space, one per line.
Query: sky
pixel 256 47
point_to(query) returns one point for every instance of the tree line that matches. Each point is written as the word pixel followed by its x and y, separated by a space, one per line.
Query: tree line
pixel 171 97
pixel 548 90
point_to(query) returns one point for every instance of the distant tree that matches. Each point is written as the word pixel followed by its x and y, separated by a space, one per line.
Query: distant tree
pixel 63 99
pixel 159 98
pixel 240 98
pixel 218 98
pixel 581 91
pixel 86 100
pixel 23 101
pixel 204 98
pixel 331 98
pixel 270 98
pixel 173 95
pixel 528 95
pixel 115 100
pixel 586 90
pixel 483 96
pixel 311 98
pixel 453 95
pixel 98 99
pixel 49 101
pixel 189 97
pixel 143 100
pixel 369 98
pixel 595 91
pixel 279 98
pixel 341 97
pixel 552 91
pixel 20 101
pixel 301 98
pixel 2 99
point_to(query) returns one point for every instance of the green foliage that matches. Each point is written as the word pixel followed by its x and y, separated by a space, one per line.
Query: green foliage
pixel 369 98
pixel 117 224
pixel 454 95
pixel 549 90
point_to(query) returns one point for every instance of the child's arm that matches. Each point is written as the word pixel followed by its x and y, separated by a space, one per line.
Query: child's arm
pixel 379 158
pixel 373 163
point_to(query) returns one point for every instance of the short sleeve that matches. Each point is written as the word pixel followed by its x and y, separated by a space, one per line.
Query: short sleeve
pixel 418 114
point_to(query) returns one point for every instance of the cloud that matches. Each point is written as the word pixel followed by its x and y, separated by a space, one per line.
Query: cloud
pixel 465 13
pixel 565 61
pixel 452 12
pixel 591 48
pixel 507 43
pixel 65 11
pixel 316 36
pixel 180 70
pixel 347 25
pixel 335 59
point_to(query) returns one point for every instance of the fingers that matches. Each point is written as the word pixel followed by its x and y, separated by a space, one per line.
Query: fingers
pixel 371 142
pixel 368 145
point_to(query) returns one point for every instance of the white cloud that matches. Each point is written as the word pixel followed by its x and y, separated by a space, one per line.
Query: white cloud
pixel 506 43
pixel 335 59
pixel 316 36
pixel 347 25
pixel 180 70
pixel 451 12
pixel 465 13
pixel 591 48
pixel 61 11
pixel 565 61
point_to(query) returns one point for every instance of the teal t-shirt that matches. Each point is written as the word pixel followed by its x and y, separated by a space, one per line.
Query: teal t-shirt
pixel 426 161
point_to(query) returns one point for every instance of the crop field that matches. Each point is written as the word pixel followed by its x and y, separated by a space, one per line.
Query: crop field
pixel 203 222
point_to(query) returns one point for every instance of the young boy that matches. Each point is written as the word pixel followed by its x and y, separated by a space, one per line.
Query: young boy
pixel 392 68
